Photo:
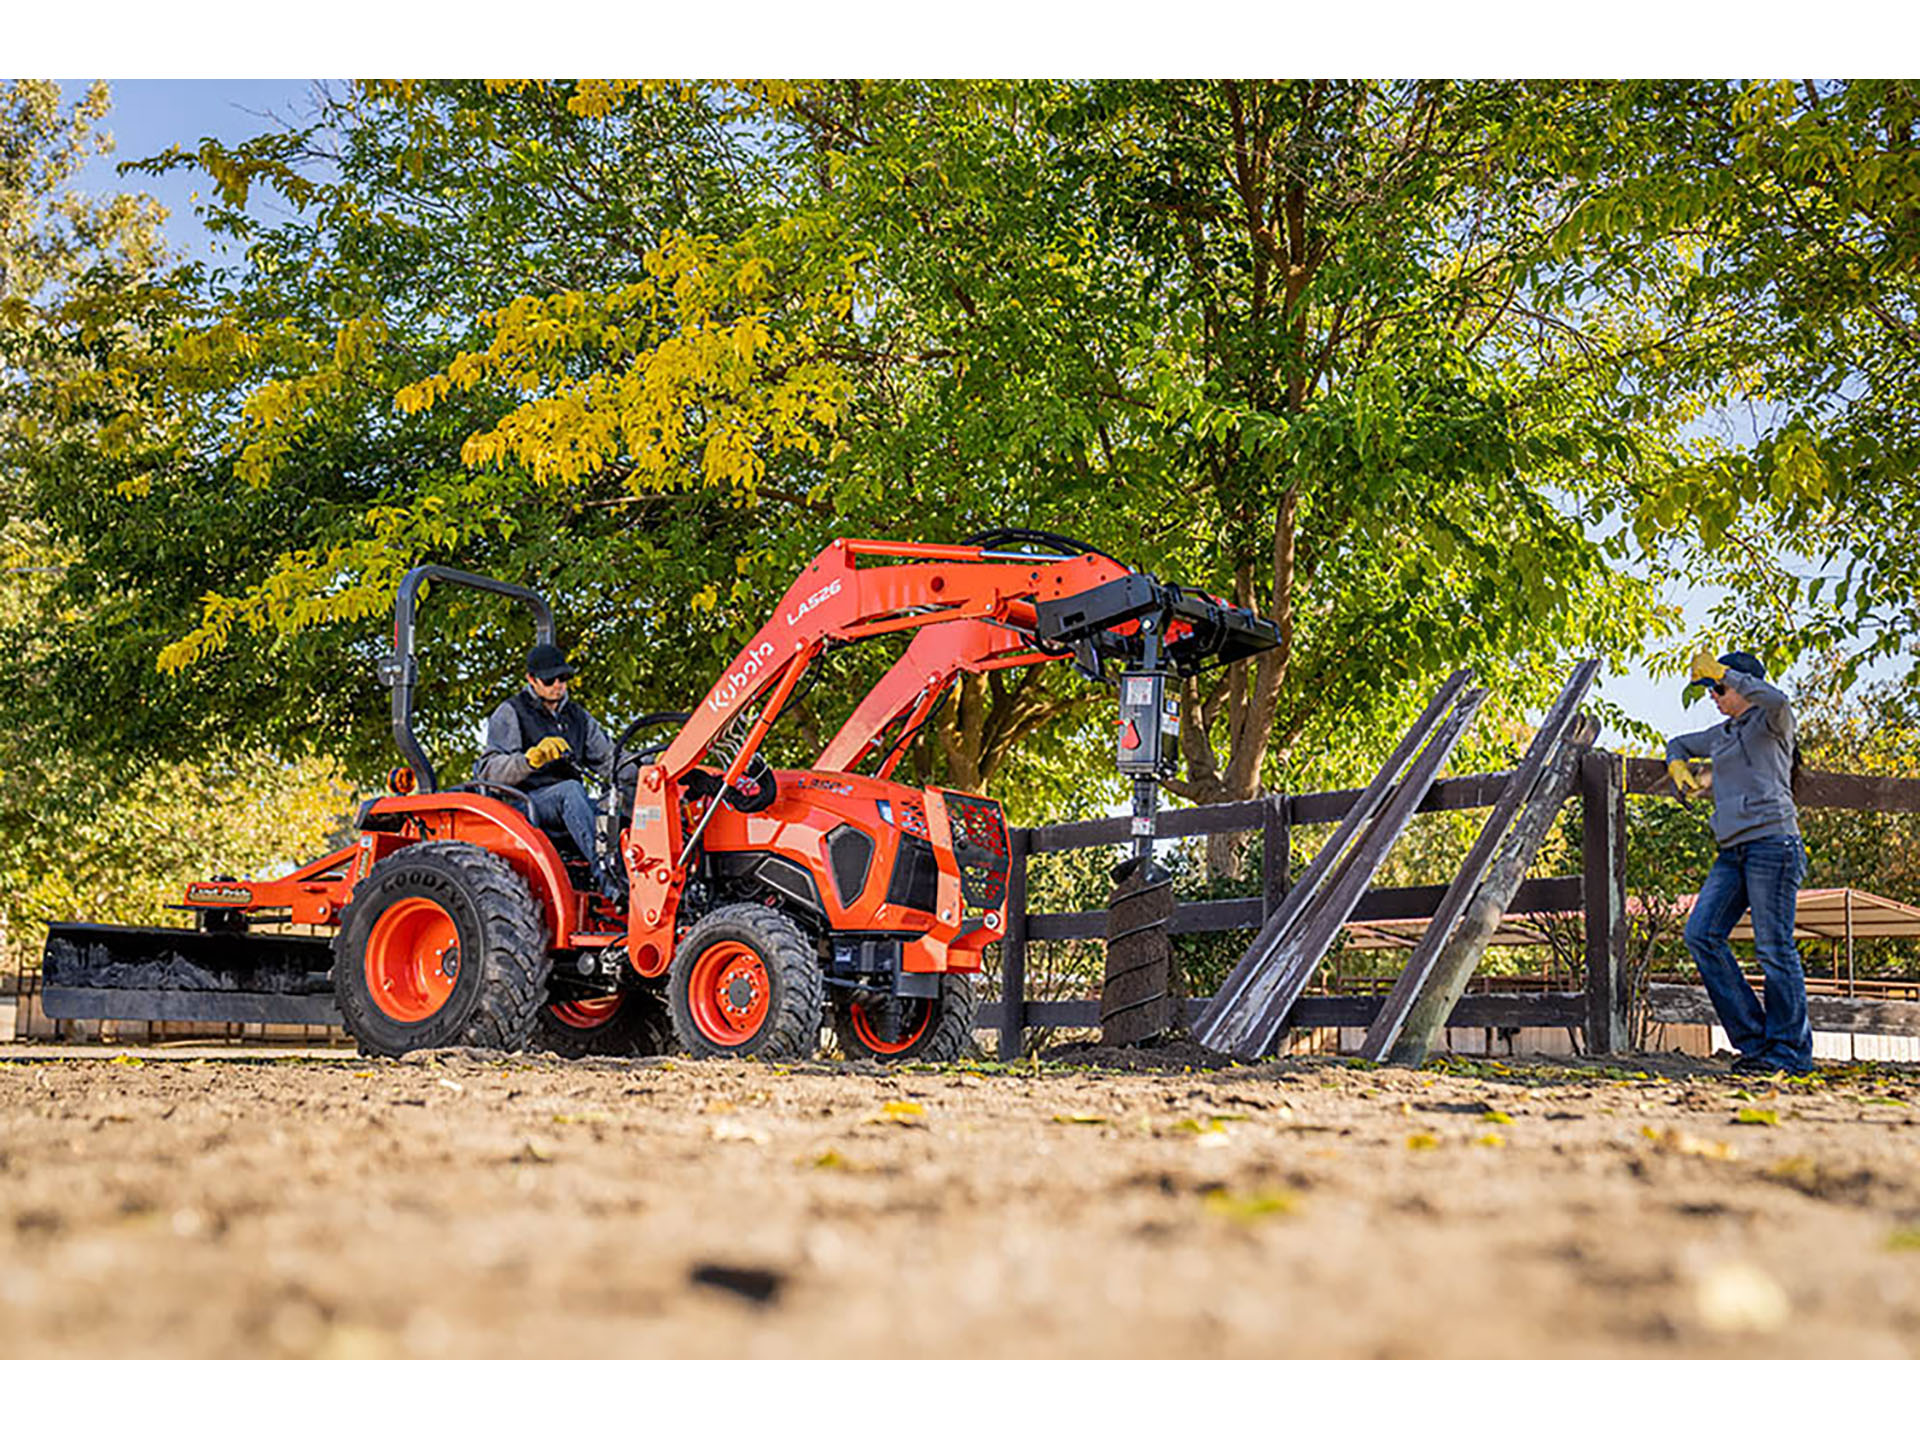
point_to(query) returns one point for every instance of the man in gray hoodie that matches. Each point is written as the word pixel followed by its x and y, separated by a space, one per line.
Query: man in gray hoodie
pixel 1760 865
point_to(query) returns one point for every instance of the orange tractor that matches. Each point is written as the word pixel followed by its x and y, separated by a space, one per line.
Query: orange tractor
pixel 757 902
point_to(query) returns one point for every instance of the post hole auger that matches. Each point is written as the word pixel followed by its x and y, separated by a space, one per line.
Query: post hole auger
pixel 758 904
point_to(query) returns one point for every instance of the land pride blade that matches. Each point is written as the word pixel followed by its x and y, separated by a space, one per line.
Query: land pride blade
pixel 121 972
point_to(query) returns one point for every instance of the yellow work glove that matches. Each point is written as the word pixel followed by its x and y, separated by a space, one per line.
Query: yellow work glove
pixel 1705 667
pixel 1684 780
pixel 547 751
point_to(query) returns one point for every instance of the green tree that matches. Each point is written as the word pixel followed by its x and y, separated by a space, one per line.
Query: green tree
pixel 87 297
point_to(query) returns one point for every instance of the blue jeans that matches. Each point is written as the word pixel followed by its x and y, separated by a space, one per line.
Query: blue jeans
pixel 566 802
pixel 1763 875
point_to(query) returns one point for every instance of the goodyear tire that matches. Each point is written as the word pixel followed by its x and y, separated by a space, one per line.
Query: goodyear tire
pixel 442 944
pixel 936 1029
pixel 744 981
pixel 628 1022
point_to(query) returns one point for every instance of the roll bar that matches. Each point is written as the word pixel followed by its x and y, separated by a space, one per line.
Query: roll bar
pixel 401 672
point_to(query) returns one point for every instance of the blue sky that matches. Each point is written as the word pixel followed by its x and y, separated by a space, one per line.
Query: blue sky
pixel 150 115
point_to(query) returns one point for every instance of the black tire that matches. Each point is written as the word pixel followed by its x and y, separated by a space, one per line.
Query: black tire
pixel 935 1029
pixel 488 914
pixel 640 1025
pixel 738 1019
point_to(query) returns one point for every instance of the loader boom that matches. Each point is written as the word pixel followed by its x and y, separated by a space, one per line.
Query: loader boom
pixel 978 608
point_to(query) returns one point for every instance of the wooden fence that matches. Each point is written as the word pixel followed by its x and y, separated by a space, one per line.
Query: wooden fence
pixel 1598 893
pixel 1598 1011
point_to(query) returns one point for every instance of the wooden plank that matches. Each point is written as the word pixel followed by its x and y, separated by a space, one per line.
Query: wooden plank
pixel 1557 1009
pixel 1463 792
pixel 1250 1012
pixel 1169 824
pixel 1819 789
pixel 1437 973
pixel 1276 855
pixel 1013 950
pixel 1200 917
pixel 1603 854
pixel 1689 1005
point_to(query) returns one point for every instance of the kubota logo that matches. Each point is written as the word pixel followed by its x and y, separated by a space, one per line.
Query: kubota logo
pixel 728 690
pixel 813 601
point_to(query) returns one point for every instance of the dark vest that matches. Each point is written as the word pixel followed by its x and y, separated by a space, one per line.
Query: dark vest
pixel 536 725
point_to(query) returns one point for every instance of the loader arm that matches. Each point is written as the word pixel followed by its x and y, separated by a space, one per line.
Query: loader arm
pixel 913 689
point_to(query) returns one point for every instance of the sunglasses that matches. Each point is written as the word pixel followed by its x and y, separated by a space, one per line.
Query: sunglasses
pixel 1718 689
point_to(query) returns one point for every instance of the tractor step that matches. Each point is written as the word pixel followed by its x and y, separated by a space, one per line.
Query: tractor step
pixel 125 972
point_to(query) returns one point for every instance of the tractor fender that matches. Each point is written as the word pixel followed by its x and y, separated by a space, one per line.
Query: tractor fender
pixel 497 828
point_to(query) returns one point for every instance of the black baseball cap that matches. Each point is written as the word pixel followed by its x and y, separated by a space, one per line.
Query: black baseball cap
pixel 1737 660
pixel 548 662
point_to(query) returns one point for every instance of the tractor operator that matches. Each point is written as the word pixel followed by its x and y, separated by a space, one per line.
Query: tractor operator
pixel 1761 861
pixel 540 742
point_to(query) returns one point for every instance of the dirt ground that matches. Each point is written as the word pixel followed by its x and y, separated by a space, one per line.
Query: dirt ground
pixel 160 1205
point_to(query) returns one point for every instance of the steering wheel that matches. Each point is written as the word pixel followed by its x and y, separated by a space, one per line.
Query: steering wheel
pixel 649 753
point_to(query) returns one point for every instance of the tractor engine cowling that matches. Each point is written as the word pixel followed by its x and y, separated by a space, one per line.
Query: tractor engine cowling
pixel 868 859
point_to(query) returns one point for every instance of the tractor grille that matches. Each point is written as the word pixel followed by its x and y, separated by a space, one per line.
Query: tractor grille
pixel 980 846
pixel 913 819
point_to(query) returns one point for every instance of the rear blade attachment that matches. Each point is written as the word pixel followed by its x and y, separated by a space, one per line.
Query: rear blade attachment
pixel 1250 1010
pixel 123 972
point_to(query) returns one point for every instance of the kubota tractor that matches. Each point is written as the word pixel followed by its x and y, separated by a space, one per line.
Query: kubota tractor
pixel 758 903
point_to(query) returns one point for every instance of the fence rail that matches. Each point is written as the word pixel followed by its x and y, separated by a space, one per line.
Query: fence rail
pixel 1598 894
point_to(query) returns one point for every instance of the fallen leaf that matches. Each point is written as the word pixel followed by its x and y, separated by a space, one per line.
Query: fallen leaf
pixel 1907 1239
pixel 1077 1118
pixel 1750 1116
pixel 899 1112
pixel 587 1117
pixel 533 1151
pixel 1251 1205
pixel 829 1160
pixel 1495 1140
pixel 1425 1140
pixel 133 1061
pixel 1678 1142
pixel 1738 1298
pixel 1496 1117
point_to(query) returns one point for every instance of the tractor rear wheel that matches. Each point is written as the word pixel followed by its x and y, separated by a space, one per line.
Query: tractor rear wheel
pixel 933 1028
pixel 744 981
pixel 627 1022
pixel 442 944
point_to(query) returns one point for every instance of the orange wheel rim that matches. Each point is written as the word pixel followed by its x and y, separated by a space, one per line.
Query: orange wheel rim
pixel 587 1013
pixel 413 960
pixel 729 993
pixel 909 1035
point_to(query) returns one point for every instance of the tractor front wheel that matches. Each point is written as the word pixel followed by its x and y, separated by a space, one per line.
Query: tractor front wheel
pixel 744 981
pixel 627 1022
pixel 442 944
pixel 872 1025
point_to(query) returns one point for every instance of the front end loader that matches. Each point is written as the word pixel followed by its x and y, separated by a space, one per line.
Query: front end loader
pixel 758 905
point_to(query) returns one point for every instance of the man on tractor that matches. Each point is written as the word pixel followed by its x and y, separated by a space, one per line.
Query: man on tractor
pixel 540 742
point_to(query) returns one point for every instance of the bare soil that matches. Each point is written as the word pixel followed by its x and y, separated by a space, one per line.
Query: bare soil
pixel 467 1205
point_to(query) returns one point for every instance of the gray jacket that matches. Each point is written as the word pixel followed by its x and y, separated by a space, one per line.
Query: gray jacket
pixel 503 757
pixel 1752 765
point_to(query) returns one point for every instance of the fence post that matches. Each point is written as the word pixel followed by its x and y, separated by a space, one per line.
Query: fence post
pixel 1276 855
pixel 1603 854
pixel 1013 950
